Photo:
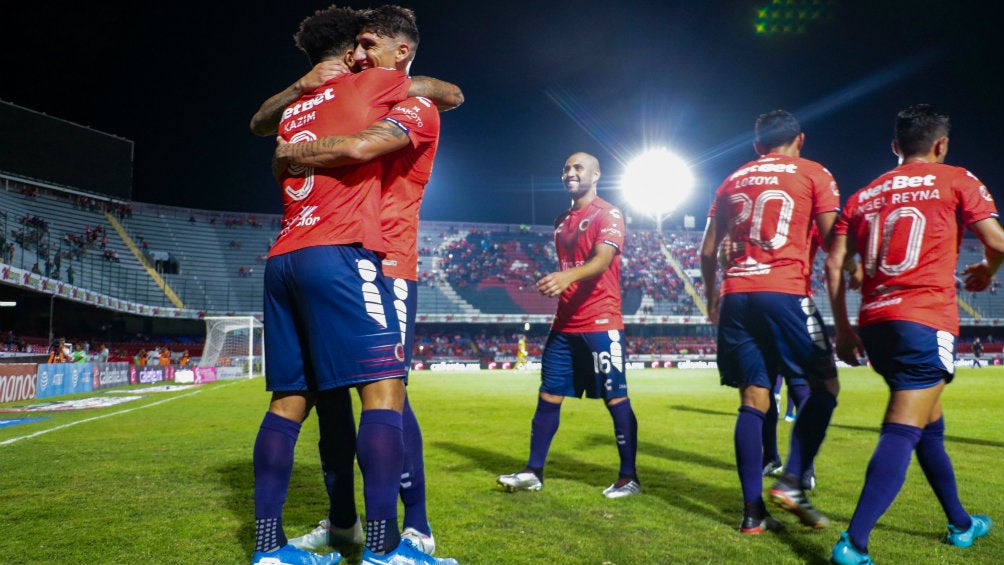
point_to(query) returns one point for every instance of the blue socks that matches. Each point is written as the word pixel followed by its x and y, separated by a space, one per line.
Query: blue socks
pixel 273 465
pixel 938 469
pixel 749 452
pixel 544 426
pixel 337 446
pixel 769 435
pixel 883 480
pixel 381 459
pixel 626 432
pixel 413 477
pixel 809 431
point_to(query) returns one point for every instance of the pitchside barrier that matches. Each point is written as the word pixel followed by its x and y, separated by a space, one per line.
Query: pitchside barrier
pixel 27 381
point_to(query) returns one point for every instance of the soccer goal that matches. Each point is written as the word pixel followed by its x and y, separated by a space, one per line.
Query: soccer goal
pixel 235 346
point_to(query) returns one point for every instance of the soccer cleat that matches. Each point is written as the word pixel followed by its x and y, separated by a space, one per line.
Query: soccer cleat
pixel 959 538
pixel 773 469
pixel 422 542
pixel 625 486
pixel 844 553
pixel 523 480
pixel 758 520
pixel 292 555
pixel 404 554
pixel 808 481
pixel 792 498
pixel 324 536
pixel 789 417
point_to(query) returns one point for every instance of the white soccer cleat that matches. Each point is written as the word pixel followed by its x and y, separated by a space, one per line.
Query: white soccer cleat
pixel 324 536
pixel 520 481
pixel 622 488
pixel 422 542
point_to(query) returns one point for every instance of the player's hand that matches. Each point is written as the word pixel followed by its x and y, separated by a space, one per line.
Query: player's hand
pixel 978 276
pixel 320 74
pixel 850 350
pixel 713 312
pixel 554 284
pixel 856 276
pixel 279 162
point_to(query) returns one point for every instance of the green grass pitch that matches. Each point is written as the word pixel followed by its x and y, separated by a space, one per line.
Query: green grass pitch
pixel 168 478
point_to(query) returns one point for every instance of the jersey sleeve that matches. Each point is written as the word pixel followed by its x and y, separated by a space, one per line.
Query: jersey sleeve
pixel 611 228
pixel 383 87
pixel 842 225
pixel 825 192
pixel 418 117
pixel 977 203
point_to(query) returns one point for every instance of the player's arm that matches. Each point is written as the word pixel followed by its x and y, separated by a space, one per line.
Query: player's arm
pixel 980 275
pixel 848 344
pixel 266 120
pixel 555 283
pixel 709 266
pixel 824 225
pixel 382 137
pixel 444 95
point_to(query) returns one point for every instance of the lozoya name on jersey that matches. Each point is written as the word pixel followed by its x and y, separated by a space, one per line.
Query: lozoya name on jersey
pixel 309 104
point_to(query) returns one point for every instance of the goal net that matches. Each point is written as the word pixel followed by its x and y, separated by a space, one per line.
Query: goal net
pixel 235 346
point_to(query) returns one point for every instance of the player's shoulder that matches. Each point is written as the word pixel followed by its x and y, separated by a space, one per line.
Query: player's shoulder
pixel 381 75
pixel 608 208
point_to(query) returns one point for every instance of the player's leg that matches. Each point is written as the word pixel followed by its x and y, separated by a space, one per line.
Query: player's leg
pixel 556 378
pixel 771 462
pixel 600 359
pixel 280 428
pixel 741 365
pixel 413 494
pixel 798 345
pixel 337 448
pixel 380 446
pixel 963 529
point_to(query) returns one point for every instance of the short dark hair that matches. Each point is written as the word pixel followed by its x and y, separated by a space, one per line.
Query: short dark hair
pixel 392 21
pixel 328 33
pixel 918 127
pixel 776 128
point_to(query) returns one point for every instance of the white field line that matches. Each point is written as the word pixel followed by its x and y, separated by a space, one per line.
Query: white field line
pixel 38 433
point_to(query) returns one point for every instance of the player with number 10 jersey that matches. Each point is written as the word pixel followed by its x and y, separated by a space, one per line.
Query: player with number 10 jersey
pixel 908 225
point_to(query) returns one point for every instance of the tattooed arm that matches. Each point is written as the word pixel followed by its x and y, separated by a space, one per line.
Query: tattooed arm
pixel 266 120
pixel 446 96
pixel 380 138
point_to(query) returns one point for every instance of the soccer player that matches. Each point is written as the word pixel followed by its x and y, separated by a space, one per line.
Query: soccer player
pixel 767 321
pixel 329 320
pixel 907 226
pixel 584 352
pixel 521 353
pixel 977 352
pixel 406 139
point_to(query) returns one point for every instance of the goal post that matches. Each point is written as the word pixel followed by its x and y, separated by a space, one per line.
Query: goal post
pixel 235 345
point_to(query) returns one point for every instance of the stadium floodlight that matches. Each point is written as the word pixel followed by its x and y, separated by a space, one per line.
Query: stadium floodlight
pixel 656 182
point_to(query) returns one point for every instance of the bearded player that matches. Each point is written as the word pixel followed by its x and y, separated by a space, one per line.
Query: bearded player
pixel 584 352
pixel 907 226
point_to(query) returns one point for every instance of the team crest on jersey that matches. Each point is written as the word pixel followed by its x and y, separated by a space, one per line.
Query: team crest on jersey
pixel 584 224
pixel 985 194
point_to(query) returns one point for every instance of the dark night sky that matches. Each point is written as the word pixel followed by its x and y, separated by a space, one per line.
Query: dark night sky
pixel 542 80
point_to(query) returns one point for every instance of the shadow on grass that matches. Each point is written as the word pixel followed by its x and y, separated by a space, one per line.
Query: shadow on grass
pixel 874 430
pixel 307 500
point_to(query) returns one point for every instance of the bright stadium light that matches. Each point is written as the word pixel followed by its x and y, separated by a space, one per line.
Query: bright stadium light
pixel 656 183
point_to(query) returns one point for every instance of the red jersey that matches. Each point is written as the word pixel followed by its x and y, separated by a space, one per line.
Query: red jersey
pixel 907 225
pixel 589 305
pixel 341 205
pixel 769 208
pixel 406 172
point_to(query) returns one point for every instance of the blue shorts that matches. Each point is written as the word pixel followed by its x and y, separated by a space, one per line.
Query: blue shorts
pixel 765 334
pixel 329 320
pixel 590 363
pixel 406 304
pixel 909 355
